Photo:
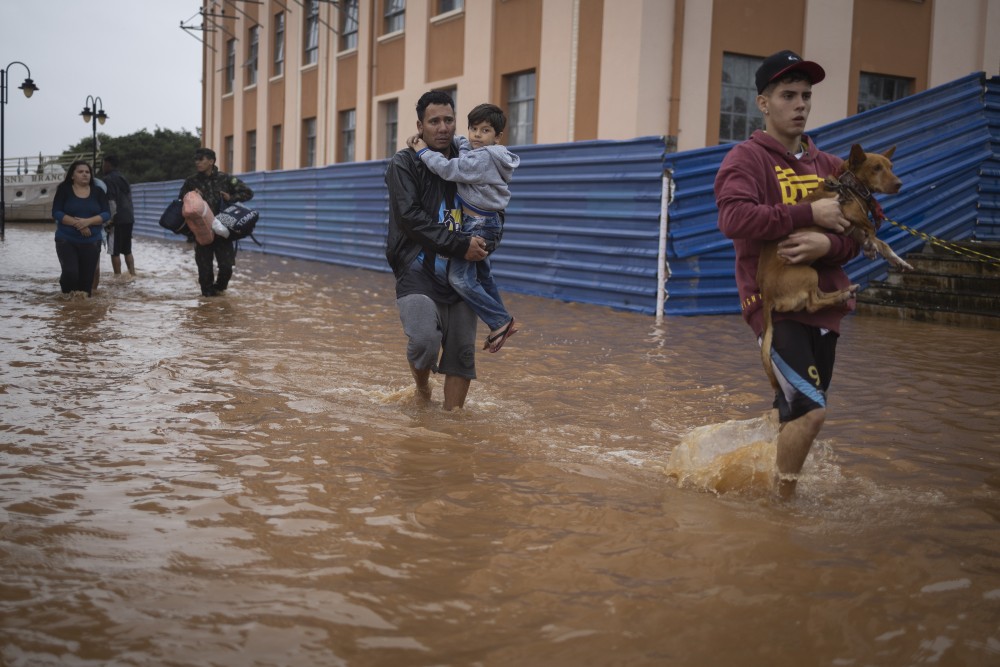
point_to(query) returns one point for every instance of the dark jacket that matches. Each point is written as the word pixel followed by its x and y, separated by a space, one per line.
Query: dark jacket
pixel 120 193
pixel 213 185
pixel 415 196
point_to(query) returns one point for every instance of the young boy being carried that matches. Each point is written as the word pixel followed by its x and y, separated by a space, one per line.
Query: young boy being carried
pixel 482 173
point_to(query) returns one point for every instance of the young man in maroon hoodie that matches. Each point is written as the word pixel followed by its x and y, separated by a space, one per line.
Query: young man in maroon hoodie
pixel 757 191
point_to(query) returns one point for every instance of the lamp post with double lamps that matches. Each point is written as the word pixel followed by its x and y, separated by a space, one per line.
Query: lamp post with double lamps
pixel 93 117
pixel 28 87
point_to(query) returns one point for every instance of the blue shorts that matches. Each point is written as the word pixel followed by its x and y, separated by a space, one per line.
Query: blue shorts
pixel 802 357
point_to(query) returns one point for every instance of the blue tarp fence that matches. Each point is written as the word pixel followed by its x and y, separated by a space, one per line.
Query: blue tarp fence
pixel 584 223
pixel 947 142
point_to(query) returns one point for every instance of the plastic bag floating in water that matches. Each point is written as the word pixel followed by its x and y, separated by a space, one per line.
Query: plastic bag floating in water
pixel 731 457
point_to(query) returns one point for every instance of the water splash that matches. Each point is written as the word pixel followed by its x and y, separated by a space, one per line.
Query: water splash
pixel 736 456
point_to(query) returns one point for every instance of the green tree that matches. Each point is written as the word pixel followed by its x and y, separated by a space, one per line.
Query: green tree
pixel 146 157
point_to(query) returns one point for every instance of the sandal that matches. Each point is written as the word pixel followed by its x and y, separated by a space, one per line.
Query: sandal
pixel 496 341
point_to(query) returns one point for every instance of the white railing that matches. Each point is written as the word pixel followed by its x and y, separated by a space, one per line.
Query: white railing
pixel 38 168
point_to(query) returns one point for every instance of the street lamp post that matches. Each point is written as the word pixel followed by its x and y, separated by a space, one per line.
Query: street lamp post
pixel 93 117
pixel 28 87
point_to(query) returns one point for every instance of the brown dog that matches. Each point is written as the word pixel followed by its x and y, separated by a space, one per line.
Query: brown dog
pixel 790 287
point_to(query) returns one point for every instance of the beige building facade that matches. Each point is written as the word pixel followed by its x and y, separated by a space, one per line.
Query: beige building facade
pixel 298 83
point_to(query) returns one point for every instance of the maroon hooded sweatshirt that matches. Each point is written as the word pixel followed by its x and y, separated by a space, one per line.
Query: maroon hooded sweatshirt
pixel 756 190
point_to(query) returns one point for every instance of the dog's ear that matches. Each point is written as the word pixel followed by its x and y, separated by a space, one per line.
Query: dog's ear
pixel 888 153
pixel 857 155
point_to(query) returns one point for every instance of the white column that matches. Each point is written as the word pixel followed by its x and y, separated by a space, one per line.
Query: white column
pixel 635 68
pixel 964 39
pixel 264 60
pixel 554 124
pixel 991 49
pixel 415 70
pixel 291 131
pixel 475 84
pixel 826 40
pixel 696 56
pixel 365 117
pixel 239 26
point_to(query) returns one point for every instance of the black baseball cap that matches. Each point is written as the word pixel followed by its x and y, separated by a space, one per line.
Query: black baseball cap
pixel 783 62
pixel 204 152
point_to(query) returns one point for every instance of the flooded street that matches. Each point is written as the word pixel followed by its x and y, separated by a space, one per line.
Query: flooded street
pixel 249 480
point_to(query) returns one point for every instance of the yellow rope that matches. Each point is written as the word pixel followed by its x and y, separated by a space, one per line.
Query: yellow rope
pixel 958 250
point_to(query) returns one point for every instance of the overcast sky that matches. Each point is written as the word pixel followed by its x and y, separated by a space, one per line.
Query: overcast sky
pixel 132 54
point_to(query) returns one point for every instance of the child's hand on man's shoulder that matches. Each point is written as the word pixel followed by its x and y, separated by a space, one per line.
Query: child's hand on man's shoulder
pixel 416 143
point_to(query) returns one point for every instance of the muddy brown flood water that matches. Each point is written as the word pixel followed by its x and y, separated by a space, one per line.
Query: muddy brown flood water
pixel 248 480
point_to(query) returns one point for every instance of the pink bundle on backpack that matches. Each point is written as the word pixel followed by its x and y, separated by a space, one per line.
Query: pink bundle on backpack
pixel 198 217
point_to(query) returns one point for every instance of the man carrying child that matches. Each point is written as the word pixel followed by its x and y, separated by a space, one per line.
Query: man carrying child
pixel 439 326
pixel 482 172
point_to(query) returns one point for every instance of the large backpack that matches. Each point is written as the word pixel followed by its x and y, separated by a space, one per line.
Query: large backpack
pixel 239 221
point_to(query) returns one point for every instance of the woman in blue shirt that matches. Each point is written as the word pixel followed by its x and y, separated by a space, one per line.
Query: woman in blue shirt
pixel 80 209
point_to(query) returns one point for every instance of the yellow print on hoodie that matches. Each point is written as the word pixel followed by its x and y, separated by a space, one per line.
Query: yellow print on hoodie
pixel 795 186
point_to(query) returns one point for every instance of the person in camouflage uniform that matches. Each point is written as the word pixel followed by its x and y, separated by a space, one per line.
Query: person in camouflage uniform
pixel 218 189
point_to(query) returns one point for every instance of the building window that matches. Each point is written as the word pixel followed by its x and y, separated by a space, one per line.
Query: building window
pixel 349 25
pixel 453 94
pixel 393 21
pixel 391 115
pixel 309 142
pixel 449 5
pixel 228 152
pixel 276 147
pixel 311 41
pixel 874 90
pixel 278 66
pixel 347 135
pixel 521 108
pixel 251 150
pixel 253 39
pixel 230 65
pixel 739 115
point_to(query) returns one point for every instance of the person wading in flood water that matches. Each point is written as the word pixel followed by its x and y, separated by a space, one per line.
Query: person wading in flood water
pixel 218 189
pixel 439 325
pixel 80 210
pixel 757 191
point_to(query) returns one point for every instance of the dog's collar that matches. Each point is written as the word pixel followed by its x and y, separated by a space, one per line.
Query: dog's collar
pixel 851 182
pixel 848 181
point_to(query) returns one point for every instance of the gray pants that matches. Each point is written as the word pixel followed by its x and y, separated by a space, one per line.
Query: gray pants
pixel 432 329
